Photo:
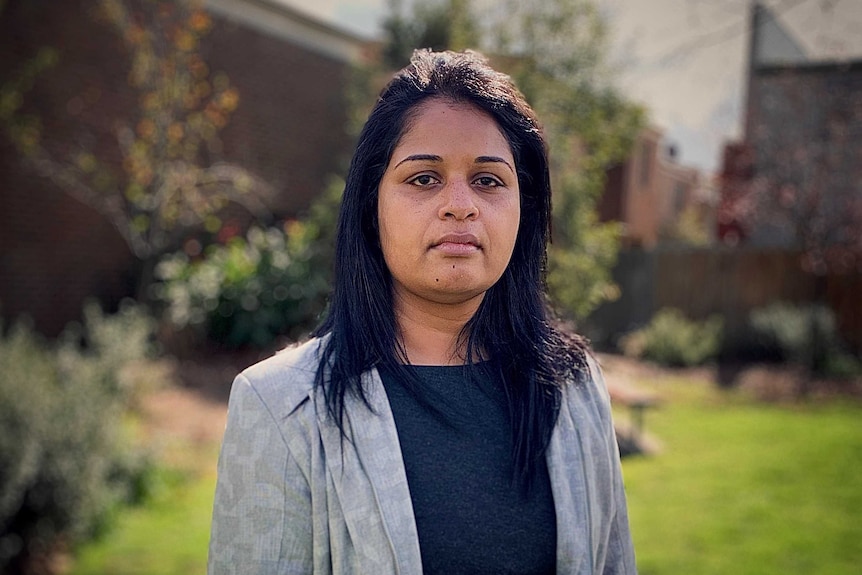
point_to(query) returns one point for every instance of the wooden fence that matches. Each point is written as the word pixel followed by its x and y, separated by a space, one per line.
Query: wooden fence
pixel 727 282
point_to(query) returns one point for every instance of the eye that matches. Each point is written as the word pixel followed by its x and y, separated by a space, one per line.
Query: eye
pixel 487 182
pixel 423 180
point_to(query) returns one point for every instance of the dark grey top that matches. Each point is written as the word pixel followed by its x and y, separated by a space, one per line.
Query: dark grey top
pixel 471 516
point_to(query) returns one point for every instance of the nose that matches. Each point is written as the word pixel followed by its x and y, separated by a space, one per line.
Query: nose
pixel 459 201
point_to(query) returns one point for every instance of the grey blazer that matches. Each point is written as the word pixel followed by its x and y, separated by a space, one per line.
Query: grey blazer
pixel 292 497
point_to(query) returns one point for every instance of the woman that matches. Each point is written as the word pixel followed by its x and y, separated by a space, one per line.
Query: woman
pixel 438 422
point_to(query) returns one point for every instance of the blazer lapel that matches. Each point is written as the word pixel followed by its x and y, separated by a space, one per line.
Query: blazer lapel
pixel 566 467
pixel 368 474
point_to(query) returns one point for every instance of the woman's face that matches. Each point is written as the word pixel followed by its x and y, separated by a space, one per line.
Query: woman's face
pixel 448 205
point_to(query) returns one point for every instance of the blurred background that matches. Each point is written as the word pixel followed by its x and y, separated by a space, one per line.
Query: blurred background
pixel 170 171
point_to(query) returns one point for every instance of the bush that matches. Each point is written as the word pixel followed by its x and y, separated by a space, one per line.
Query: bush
pixel 806 335
pixel 672 339
pixel 247 292
pixel 787 331
pixel 272 282
pixel 63 466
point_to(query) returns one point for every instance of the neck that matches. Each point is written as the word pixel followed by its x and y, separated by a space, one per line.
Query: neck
pixel 430 333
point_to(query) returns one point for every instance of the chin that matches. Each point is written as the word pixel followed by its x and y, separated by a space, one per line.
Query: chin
pixel 455 292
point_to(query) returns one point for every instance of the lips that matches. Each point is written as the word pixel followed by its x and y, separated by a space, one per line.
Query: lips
pixel 457 244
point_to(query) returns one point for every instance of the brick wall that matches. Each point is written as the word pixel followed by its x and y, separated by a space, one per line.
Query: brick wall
pixel 290 125
pixel 54 251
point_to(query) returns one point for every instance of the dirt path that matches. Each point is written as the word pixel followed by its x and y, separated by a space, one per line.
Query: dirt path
pixel 187 416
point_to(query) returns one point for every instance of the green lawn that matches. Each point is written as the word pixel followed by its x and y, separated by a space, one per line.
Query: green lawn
pixel 744 488
pixel 167 536
pixel 739 488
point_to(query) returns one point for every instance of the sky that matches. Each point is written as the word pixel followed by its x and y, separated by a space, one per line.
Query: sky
pixel 684 60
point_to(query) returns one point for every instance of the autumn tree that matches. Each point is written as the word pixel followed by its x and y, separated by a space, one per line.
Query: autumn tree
pixel 158 179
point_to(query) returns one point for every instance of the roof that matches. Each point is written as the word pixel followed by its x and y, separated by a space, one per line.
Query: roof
pixel 280 19
pixel 805 34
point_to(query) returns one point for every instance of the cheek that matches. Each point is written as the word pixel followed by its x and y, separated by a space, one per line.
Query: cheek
pixel 391 231
pixel 511 228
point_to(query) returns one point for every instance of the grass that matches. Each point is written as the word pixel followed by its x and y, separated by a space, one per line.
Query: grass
pixel 747 488
pixel 740 487
pixel 169 533
pixel 167 536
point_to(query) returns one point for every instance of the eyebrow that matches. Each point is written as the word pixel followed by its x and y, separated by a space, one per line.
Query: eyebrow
pixel 420 158
pixel 494 159
pixel 435 158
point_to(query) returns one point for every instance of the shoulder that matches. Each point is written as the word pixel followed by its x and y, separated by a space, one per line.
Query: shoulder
pixel 596 379
pixel 284 381
pixel 587 394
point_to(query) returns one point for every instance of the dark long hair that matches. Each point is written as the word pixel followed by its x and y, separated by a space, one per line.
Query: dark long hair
pixel 513 326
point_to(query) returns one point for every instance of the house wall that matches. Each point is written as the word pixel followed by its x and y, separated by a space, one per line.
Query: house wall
pixel 642 197
pixel 647 192
pixel 55 251
pixel 289 130
pixel 290 127
pixel 679 186
pixel 804 128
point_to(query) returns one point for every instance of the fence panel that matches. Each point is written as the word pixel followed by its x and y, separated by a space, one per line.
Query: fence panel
pixel 728 282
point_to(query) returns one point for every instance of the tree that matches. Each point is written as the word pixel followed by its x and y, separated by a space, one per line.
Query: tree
pixel 23 130
pixel 554 51
pixel 560 46
pixel 156 180
pixel 442 25
pixel 802 191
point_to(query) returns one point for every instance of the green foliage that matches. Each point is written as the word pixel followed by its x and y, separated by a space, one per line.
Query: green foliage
pixel 806 335
pixel 272 282
pixel 166 536
pixel 441 25
pixel 788 330
pixel 24 130
pixel 581 278
pixel 672 339
pixel 841 365
pixel 690 228
pixel 64 461
pixel 559 65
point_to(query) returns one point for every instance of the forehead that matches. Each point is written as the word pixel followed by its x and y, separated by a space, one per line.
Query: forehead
pixel 452 123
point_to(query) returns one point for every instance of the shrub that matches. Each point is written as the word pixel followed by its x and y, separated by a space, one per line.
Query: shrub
pixel 249 291
pixel 805 335
pixel 672 339
pixel 63 466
